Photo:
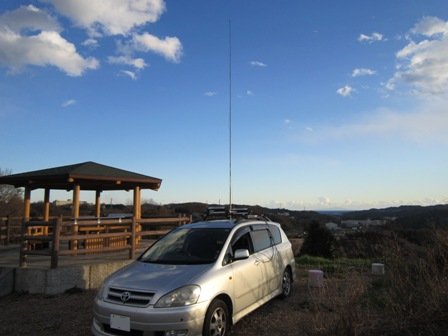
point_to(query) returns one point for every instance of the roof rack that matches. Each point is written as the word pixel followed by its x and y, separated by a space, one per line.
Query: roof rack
pixel 219 211
pixel 239 212
pixel 222 212
pixel 259 217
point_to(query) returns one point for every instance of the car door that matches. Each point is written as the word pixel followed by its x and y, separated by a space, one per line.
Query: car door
pixel 247 274
pixel 278 262
pixel 266 256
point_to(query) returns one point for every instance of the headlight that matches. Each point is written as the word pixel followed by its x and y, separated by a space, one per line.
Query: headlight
pixel 102 291
pixel 183 296
pixel 100 295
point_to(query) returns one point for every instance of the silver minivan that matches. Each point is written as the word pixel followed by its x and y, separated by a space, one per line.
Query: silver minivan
pixel 199 279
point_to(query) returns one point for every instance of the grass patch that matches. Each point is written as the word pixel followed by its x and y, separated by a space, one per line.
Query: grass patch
pixel 333 265
pixel 411 298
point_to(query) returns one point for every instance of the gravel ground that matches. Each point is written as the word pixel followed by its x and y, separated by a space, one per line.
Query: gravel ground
pixel 70 314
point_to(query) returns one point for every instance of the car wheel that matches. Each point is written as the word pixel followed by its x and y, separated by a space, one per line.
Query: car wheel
pixel 286 284
pixel 217 319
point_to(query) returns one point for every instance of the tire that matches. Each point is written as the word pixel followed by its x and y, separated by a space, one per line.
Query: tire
pixel 217 319
pixel 286 284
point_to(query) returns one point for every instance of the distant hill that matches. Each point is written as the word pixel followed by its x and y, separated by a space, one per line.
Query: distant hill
pixel 293 221
pixel 407 216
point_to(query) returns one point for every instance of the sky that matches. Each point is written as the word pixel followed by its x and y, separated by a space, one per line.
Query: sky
pixel 334 105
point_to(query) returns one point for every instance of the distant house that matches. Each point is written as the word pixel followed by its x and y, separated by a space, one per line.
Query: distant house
pixel 352 223
pixel 332 226
pixel 284 213
pixel 63 203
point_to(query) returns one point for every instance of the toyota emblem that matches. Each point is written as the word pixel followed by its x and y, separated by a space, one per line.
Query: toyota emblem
pixel 125 296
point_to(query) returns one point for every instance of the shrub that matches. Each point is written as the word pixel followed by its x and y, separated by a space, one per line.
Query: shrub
pixel 416 289
pixel 318 242
pixel 410 299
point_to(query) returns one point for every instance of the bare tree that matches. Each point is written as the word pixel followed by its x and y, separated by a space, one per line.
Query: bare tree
pixel 10 198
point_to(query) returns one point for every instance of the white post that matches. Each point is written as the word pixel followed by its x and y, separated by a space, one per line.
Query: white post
pixel 377 269
pixel 315 278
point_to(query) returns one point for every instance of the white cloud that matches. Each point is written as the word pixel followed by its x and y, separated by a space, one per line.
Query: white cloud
pixel 325 203
pixel 249 93
pixel 30 36
pixel 374 37
pixel 323 200
pixel 130 74
pixel 210 93
pixel 345 91
pixel 426 124
pixel 288 124
pixel 138 63
pixel 363 72
pixel 45 48
pixel 258 64
pixel 110 17
pixel 68 103
pixel 90 42
pixel 309 129
pixel 430 26
pixel 169 47
pixel 424 65
pixel 28 18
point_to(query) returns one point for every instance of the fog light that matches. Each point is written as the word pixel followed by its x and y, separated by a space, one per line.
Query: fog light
pixel 183 332
pixel 97 325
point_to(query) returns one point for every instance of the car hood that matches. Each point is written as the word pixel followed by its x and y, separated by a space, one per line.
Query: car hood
pixel 156 278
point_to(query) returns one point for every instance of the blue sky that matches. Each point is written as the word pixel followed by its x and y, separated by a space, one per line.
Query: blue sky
pixel 333 105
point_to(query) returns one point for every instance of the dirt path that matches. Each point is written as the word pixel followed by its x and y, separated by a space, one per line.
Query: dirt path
pixel 71 315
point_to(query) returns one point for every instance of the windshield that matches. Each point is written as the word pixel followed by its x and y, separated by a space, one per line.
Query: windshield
pixel 187 246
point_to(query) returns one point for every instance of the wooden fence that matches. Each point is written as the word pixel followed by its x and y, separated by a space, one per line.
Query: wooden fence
pixel 62 237
pixel 10 229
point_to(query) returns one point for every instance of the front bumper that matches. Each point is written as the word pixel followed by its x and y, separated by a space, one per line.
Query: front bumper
pixel 149 321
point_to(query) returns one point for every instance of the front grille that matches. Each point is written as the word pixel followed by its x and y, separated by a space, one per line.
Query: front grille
pixel 129 297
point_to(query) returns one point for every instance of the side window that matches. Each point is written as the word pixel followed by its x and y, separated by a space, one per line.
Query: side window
pixel 276 235
pixel 261 239
pixel 244 242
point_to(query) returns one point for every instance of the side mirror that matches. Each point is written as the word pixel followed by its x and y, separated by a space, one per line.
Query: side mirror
pixel 241 254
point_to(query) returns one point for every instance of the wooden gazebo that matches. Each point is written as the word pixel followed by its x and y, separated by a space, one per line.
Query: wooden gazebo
pixel 92 235
pixel 82 176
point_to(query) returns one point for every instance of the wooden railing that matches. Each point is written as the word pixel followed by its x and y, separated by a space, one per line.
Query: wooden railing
pixel 10 228
pixel 89 236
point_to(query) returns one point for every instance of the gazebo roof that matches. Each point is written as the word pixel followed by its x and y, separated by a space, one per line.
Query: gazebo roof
pixel 89 175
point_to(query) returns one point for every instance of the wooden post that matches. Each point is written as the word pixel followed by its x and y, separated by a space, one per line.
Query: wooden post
pixel 137 204
pixel 23 245
pixel 27 207
pixel 27 204
pixel 98 204
pixel 106 241
pixel 46 209
pixel 76 195
pixel 137 209
pixel 8 230
pixel 56 242
pixel 133 239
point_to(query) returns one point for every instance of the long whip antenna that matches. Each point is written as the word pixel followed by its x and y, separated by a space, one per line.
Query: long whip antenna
pixel 230 118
